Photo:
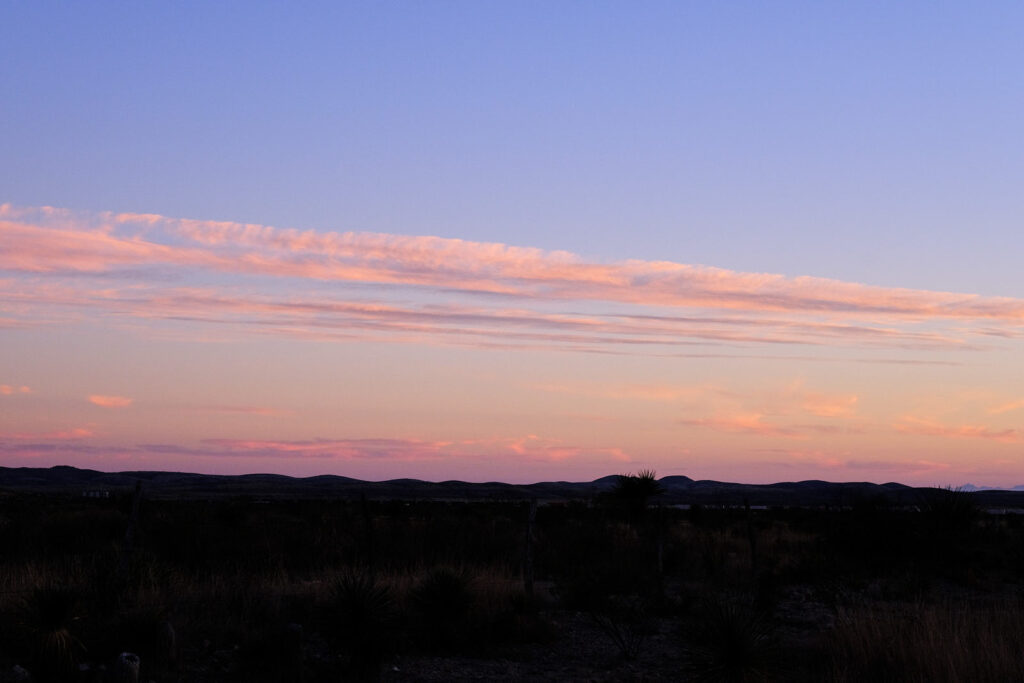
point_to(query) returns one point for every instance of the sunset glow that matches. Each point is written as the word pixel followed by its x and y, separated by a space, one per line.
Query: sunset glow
pixel 478 279
pixel 444 379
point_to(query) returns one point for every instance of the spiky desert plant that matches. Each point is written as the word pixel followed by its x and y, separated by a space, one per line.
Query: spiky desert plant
pixel 950 510
pixel 633 492
pixel 626 620
pixel 49 612
pixel 442 601
pixel 639 487
pixel 731 643
pixel 364 615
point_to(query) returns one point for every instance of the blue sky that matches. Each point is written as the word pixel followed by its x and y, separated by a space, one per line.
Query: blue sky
pixel 878 142
pixel 869 143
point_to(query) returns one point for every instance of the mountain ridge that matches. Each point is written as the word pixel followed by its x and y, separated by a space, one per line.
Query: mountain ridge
pixel 676 489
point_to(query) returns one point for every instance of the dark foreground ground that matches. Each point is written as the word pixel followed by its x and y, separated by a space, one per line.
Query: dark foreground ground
pixel 245 589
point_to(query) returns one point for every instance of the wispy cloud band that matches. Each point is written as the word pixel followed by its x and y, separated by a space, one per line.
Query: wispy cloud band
pixel 44 247
pixel 55 240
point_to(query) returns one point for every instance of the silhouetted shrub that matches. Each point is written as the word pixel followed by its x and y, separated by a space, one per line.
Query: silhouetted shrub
pixel 627 620
pixel 503 614
pixel 49 612
pixel 633 492
pixel 728 641
pixel 442 600
pixel 950 509
pixel 363 613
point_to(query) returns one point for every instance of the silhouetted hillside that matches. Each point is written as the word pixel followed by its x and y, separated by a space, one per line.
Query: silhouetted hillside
pixel 677 489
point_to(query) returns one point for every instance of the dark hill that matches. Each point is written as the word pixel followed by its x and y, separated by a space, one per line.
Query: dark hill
pixel 64 480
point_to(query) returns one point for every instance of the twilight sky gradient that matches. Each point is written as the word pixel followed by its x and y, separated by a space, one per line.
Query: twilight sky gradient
pixel 516 241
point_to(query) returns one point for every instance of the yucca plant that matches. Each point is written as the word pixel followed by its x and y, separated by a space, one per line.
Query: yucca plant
pixel 363 613
pixel 731 643
pixel 49 613
pixel 626 620
pixel 442 601
pixel 635 491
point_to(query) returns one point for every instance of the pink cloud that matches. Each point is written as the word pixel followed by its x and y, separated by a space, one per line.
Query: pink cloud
pixel 667 393
pixel 42 250
pixel 912 466
pixel 411 449
pixel 47 240
pixel 482 459
pixel 110 401
pixel 755 424
pixel 59 435
pixel 245 410
pixel 314 316
pixel 839 466
pixel 745 411
pixel 8 390
pixel 530 447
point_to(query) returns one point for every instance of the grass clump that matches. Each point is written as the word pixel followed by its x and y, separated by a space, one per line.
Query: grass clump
pixel 730 642
pixel 928 642
pixel 441 602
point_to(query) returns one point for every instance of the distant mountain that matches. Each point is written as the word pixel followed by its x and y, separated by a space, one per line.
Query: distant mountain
pixel 972 488
pixel 64 480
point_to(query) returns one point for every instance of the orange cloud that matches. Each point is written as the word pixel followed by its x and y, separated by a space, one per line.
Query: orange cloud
pixel 824 405
pixel 925 427
pixel 110 401
pixel 796 397
pixel 751 423
pixel 7 389
pixel 1007 407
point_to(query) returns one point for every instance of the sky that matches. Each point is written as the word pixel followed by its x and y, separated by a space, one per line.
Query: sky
pixel 514 241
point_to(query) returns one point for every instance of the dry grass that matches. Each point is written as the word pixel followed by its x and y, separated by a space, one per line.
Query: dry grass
pixel 929 643
pixel 234 580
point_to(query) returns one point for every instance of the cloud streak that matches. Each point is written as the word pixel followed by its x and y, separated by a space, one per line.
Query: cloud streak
pixel 110 401
pixel 507 450
pixel 925 427
pixel 260 411
pixel 315 315
pixel 46 240
pixel 1007 407
pixel 58 435
pixel 530 447
pixel 754 424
